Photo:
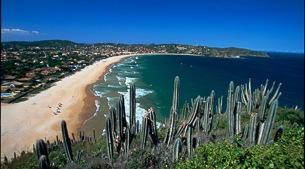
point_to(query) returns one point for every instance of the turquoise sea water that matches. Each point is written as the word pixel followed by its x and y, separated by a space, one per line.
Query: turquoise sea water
pixel 199 75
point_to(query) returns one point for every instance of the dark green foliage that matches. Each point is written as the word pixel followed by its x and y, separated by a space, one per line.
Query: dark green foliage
pixel 288 152
pixel 291 115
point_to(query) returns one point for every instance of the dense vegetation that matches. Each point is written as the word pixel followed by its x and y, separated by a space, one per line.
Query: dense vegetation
pixel 184 142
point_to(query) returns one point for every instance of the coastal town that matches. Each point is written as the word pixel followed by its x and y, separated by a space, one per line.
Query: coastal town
pixel 29 67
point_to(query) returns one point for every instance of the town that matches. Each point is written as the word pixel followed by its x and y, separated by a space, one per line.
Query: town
pixel 30 67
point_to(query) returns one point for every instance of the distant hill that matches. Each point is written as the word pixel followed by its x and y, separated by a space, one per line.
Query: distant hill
pixel 43 43
pixel 167 48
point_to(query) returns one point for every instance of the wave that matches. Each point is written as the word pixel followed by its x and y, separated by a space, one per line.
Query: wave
pixel 130 80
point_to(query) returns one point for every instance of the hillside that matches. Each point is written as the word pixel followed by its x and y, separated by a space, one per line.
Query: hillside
pixel 149 48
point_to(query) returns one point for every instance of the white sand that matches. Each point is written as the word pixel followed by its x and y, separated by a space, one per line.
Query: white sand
pixel 23 123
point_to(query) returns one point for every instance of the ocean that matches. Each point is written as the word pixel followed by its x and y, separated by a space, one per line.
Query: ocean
pixel 154 77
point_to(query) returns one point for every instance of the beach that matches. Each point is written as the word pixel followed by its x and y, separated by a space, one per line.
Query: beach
pixel 70 99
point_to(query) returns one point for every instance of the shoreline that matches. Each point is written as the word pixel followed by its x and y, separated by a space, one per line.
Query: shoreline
pixel 22 123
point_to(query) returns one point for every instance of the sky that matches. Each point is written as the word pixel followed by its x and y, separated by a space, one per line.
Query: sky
pixel 266 25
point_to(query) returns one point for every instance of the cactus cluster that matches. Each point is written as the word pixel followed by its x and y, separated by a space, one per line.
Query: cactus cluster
pixel 195 124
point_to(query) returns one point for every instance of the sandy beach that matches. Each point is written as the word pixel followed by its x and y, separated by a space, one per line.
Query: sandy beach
pixel 23 123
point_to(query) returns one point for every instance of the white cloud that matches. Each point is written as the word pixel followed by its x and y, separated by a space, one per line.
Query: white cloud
pixel 18 32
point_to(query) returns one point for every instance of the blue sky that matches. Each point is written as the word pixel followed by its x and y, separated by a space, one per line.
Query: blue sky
pixel 269 25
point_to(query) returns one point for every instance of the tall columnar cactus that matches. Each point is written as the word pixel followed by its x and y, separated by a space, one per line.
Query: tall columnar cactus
pixel 41 149
pixel 238 118
pixel 132 117
pixel 66 140
pixel 249 107
pixel 173 112
pixel 44 162
pixel 189 141
pixel 229 111
pixel 215 124
pixel 121 117
pixel 172 129
pixel 262 109
pixel 208 112
pixel 194 111
pixel 113 118
pixel 205 124
pixel 109 139
pixel 219 105
pixel 211 105
pixel 145 129
pixel 177 149
pixel 263 91
pixel 176 95
pixel 252 130
pixel 275 94
pixel 127 141
pixel 153 126
pixel 269 123
pixel 245 132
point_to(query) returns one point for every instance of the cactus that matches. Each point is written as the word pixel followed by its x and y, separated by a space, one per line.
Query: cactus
pixel 219 105
pixel 263 91
pixel 44 162
pixel 34 149
pixel 73 137
pixel 205 124
pixel 177 149
pixel 176 95
pixel 153 126
pixel 171 129
pixel 215 125
pixel 66 141
pixel 245 132
pixel 127 141
pixel 41 149
pixel 275 94
pixel 109 139
pixel 173 112
pixel 121 117
pixel 249 107
pixel 57 140
pixel 80 136
pixel 260 132
pixel 189 141
pixel 269 122
pixel 79 155
pixel 5 161
pixel 278 133
pixel 145 129
pixel 181 128
pixel 94 139
pixel 194 110
pixel 238 118
pixel 113 118
pixel 262 109
pixel 132 117
pixel 229 111
pixel 253 126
